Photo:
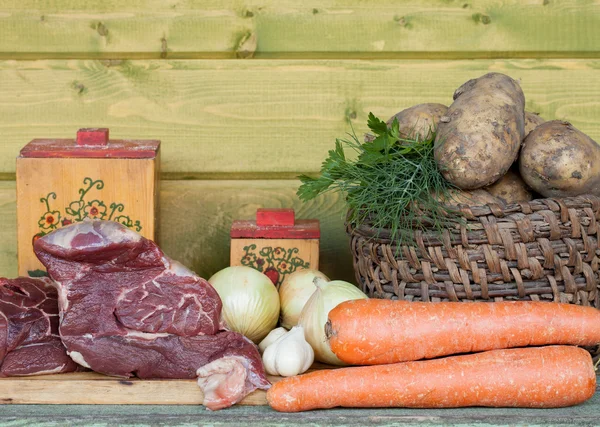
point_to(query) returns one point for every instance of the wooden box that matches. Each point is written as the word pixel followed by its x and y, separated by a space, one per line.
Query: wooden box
pixel 276 244
pixel 61 181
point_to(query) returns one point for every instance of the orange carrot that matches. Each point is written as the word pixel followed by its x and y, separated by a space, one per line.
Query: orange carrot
pixel 533 377
pixel 373 332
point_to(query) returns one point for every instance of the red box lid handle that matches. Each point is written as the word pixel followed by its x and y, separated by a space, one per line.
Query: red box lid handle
pixel 92 136
pixel 280 217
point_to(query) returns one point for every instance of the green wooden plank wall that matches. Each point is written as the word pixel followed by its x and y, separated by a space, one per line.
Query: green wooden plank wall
pixel 309 29
pixel 245 95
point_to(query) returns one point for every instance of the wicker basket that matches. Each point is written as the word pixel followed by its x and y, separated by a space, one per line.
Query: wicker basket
pixel 547 249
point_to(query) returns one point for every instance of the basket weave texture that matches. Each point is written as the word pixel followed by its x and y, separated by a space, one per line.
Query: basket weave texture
pixel 543 250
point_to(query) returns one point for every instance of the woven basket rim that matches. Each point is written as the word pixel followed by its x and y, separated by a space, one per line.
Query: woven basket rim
pixel 542 250
pixel 473 212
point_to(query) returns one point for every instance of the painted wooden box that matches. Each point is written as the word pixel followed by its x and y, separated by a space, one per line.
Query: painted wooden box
pixel 276 244
pixel 61 181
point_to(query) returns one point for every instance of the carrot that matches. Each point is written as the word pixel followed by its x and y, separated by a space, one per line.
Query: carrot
pixel 373 332
pixel 533 377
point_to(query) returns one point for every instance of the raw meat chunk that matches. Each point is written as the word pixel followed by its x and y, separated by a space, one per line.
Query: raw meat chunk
pixel 127 310
pixel 29 341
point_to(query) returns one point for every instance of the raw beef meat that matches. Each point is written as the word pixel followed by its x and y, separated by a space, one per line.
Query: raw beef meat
pixel 29 341
pixel 126 309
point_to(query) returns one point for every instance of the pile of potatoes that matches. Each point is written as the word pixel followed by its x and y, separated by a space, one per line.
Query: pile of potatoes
pixel 492 150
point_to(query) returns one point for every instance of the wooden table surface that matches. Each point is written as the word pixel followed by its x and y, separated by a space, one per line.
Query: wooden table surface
pixel 248 416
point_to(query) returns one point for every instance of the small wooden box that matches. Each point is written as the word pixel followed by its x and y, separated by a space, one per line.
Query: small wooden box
pixel 276 244
pixel 61 181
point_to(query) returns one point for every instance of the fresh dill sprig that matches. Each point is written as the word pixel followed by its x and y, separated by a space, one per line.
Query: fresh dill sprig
pixel 390 183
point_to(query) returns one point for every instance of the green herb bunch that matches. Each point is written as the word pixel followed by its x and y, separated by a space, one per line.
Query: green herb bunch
pixel 391 183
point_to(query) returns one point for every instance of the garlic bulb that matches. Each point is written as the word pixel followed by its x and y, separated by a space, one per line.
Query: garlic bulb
pixel 273 336
pixel 294 292
pixel 290 355
pixel 315 312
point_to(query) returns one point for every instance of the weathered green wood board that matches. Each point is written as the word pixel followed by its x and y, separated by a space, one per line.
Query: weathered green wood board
pixel 586 414
pixel 257 118
pixel 8 230
pixel 195 217
pixel 288 28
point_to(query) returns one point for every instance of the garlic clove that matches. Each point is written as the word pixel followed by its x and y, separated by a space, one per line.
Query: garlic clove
pixel 269 359
pixel 273 336
pixel 290 358
pixel 309 359
pixel 289 355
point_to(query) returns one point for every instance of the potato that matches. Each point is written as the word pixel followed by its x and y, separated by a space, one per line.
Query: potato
pixel 480 136
pixel 471 198
pixel 532 120
pixel 510 188
pixel 420 120
pixel 558 160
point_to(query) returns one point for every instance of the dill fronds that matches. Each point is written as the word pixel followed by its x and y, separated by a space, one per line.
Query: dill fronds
pixel 391 183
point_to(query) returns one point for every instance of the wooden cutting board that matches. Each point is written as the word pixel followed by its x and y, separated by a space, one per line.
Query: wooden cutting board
pixel 97 389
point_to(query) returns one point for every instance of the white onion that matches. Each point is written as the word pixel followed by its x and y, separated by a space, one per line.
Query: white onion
pixel 294 292
pixel 314 315
pixel 250 301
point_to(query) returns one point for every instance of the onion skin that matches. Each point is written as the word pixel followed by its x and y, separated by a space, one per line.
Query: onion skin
pixel 295 292
pixel 315 313
pixel 250 301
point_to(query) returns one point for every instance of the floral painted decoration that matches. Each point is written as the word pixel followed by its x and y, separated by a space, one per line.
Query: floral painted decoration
pixel 276 263
pixel 80 209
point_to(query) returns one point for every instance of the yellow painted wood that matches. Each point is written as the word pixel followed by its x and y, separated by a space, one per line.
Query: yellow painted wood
pixel 50 191
pixel 262 118
pixel 288 28
pixel 196 216
pixel 285 255
pixel 90 388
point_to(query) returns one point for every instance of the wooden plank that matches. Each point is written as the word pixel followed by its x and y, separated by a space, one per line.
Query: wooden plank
pixel 195 218
pixel 90 388
pixel 586 415
pixel 98 389
pixel 257 119
pixel 105 392
pixel 287 28
pixel 8 231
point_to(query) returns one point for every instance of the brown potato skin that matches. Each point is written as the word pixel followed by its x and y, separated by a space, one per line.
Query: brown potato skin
pixel 532 120
pixel 471 198
pixel 421 120
pixel 510 188
pixel 480 136
pixel 558 160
